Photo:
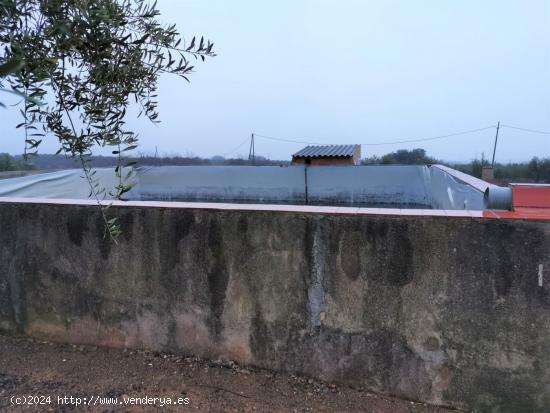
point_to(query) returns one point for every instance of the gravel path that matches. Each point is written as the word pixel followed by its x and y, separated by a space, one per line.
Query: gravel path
pixel 29 367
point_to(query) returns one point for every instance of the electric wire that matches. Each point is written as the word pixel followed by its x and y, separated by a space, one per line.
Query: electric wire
pixel 395 142
pixel 525 129
pixel 383 143
pixel 236 148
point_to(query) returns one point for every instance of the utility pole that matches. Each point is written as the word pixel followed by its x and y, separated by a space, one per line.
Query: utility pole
pixel 251 152
pixel 495 148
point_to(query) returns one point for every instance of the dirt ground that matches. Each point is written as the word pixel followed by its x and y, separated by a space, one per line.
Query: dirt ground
pixel 30 367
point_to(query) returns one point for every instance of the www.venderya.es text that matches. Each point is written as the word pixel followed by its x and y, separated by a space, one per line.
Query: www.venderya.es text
pixel 95 400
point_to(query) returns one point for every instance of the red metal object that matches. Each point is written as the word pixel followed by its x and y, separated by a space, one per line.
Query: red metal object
pixel 530 196
pixel 529 214
pixel 529 202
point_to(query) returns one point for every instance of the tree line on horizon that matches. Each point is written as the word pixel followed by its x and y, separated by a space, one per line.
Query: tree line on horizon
pixel 535 170
pixel 52 162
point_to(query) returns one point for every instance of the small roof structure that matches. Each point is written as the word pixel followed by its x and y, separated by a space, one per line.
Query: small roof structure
pixel 327 151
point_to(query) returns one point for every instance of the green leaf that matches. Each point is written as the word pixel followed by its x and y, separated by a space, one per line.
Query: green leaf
pixel 11 66
pixel 129 148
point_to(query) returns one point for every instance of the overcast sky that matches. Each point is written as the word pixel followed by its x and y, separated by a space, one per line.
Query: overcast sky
pixel 354 71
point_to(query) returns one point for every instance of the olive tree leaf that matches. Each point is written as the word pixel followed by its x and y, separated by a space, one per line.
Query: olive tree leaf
pixel 89 60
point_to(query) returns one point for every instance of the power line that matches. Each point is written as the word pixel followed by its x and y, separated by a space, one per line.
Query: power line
pixel 286 140
pixel 396 142
pixel 526 129
pixel 383 143
pixel 236 148
pixel 466 132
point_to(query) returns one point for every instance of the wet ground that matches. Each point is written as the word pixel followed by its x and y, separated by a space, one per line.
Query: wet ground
pixel 114 380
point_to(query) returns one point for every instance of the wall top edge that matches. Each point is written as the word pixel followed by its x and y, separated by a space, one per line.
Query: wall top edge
pixel 304 209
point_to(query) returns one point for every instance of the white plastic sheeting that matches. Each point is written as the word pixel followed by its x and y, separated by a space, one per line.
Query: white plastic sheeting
pixel 386 185
pixel 262 184
pixel 70 184
pixel 450 192
pixel 395 185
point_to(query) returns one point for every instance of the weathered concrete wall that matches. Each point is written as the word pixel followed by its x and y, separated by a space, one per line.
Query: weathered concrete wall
pixel 445 310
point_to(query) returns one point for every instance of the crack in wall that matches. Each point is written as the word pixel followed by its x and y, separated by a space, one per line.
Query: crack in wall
pixel 316 290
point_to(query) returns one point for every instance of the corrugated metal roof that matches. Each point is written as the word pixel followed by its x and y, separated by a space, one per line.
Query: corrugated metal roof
pixel 322 151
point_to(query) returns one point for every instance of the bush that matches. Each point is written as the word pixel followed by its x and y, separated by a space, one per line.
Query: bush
pixel 9 163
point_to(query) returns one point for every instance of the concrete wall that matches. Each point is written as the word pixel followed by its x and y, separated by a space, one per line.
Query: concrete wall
pixel 446 310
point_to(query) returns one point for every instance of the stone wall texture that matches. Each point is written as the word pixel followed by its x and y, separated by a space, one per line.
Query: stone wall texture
pixel 451 311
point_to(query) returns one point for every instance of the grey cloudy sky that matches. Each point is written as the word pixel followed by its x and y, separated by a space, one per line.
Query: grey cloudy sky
pixel 355 71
